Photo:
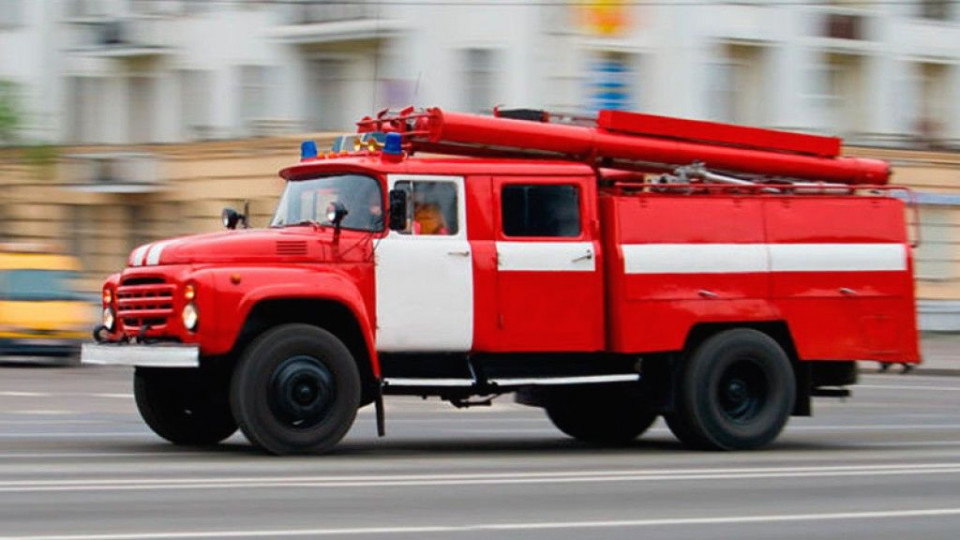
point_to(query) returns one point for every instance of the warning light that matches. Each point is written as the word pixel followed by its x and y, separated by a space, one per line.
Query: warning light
pixel 308 150
pixel 394 144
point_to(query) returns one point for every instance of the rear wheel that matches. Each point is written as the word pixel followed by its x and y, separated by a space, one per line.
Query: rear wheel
pixel 187 407
pixel 296 389
pixel 608 414
pixel 736 392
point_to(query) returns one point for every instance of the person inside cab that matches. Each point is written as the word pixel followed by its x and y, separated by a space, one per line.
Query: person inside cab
pixel 428 219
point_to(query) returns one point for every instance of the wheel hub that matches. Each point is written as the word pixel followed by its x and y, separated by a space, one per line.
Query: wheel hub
pixel 301 391
pixel 743 391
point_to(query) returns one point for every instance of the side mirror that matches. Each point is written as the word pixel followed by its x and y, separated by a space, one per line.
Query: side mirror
pixel 336 212
pixel 231 218
pixel 398 209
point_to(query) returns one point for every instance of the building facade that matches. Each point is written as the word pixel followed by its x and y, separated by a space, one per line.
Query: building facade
pixel 140 119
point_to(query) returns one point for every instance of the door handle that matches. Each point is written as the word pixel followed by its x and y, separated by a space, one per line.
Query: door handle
pixel 847 291
pixel 464 253
pixel 707 294
pixel 585 257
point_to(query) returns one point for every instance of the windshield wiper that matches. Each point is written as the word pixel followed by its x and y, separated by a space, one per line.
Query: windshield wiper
pixel 312 222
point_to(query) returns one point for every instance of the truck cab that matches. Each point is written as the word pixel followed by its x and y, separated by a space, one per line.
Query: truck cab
pixel 606 292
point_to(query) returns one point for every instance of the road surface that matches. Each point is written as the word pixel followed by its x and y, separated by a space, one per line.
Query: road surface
pixel 77 463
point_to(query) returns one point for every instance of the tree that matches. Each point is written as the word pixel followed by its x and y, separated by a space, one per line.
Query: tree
pixel 10 114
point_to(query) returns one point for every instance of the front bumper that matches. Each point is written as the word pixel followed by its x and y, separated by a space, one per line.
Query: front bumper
pixel 157 355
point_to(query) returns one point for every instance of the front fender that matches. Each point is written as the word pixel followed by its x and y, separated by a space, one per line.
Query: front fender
pixel 239 290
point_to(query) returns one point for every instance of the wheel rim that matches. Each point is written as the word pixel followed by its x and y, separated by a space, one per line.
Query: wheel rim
pixel 742 391
pixel 301 391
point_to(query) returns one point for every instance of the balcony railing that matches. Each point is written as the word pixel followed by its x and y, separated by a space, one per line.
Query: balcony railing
pixel 126 37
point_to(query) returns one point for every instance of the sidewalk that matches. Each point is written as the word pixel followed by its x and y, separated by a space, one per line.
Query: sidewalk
pixel 940 352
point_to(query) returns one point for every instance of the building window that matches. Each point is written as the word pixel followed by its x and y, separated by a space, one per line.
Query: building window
pixel 327 94
pixel 540 210
pixel 86 8
pixel 479 79
pixel 197 7
pixel 12 13
pixel 938 10
pixel 934 256
pixel 141 109
pixel 195 91
pixel 737 86
pixel 609 83
pixel 934 106
pixel 84 109
pixel 838 90
pixel 254 96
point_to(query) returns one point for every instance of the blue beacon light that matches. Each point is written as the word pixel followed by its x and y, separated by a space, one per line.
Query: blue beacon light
pixel 393 144
pixel 308 150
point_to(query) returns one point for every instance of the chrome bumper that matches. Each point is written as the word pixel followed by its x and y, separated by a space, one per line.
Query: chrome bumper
pixel 157 355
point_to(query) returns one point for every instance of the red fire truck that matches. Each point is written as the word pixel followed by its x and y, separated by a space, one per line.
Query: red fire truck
pixel 609 270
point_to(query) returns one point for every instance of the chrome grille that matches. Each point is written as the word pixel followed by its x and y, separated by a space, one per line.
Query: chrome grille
pixel 145 301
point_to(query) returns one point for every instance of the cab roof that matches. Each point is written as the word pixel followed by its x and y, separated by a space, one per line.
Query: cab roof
pixel 374 163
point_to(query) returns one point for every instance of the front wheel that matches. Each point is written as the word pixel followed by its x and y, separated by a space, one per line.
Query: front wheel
pixel 607 414
pixel 185 407
pixel 295 390
pixel 736 392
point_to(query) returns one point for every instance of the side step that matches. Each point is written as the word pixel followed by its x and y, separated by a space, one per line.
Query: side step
pixel 506 384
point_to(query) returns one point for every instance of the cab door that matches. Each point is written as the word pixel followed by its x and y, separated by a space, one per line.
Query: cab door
pixel 549 279
pixel 424 274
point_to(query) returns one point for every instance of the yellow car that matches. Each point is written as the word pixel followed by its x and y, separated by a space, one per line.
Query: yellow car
pixel 42 317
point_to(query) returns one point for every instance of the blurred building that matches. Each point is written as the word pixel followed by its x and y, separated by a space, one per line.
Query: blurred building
pixel 141 118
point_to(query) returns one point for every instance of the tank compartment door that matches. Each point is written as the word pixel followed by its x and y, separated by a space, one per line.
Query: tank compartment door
pixel 549 281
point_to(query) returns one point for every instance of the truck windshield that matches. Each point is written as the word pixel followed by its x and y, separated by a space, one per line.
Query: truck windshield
pixel 307 201
pixel 37 285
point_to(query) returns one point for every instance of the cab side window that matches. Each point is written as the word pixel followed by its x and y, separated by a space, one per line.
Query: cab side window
pixel 540 210
pixel 433 210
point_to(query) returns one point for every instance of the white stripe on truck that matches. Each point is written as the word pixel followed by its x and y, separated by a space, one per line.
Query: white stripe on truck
pixel 752 258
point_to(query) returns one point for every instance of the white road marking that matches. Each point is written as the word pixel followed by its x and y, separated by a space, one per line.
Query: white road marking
pixel 34 422
pixel 72 435
pixel 521 526
pixel 91 455
pixel 872 427
pixel 507 478
pixel 111 395
pixel 42 412
pixel 904 387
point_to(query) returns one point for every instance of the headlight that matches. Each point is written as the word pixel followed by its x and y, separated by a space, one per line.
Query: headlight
pixel 190 317
pixel 108 318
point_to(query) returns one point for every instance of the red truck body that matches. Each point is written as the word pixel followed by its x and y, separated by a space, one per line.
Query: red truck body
pixel 564 266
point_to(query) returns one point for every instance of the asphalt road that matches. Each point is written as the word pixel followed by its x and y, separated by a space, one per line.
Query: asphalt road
pixel 77 463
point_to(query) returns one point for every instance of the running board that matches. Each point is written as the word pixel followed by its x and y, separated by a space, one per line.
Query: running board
pixel 508 382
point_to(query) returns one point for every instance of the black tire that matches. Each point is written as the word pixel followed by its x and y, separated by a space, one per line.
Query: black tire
pixel 186 407
pixel 608 414
pixel 736 392
pixel 295 390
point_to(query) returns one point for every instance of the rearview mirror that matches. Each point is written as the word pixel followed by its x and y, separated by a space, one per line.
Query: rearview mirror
pixel 398 209
pixel 336 212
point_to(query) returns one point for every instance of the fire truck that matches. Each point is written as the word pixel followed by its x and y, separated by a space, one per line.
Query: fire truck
pixel 610 270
